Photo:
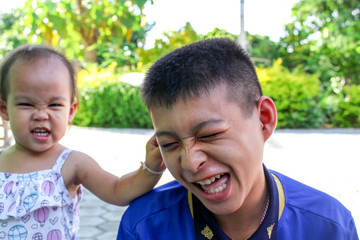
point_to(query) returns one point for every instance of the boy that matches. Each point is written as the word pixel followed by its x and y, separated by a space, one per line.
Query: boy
pixel 211 122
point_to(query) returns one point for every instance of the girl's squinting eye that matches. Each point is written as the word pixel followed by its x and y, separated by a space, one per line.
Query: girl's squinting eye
pixel 55 105
pixel 24 104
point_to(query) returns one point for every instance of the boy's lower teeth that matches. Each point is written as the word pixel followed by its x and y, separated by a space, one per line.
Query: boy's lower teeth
pixel 216 190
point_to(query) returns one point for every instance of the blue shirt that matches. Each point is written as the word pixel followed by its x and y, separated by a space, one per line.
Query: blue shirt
pixel 296 212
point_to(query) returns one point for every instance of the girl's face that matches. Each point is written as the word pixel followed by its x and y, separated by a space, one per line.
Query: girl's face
pixel 39 104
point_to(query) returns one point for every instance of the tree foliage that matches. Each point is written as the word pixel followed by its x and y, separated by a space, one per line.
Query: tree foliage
pixel 324 36
pixel 219 33
pixel 10 37
pixel 262 50
pixel 170 41
pixel 90 30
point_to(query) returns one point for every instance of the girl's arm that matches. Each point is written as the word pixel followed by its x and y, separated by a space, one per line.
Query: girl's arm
pixel 112 189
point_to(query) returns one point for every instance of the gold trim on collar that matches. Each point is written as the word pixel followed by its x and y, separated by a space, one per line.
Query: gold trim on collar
pixel 281 195
pixel 190 204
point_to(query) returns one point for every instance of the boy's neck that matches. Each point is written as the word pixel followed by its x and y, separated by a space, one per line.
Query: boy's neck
pixel 243 223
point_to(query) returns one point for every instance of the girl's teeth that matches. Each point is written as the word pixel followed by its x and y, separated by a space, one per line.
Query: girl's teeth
pixel 41 134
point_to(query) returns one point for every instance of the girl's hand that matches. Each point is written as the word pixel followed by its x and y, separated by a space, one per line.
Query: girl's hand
pixel 153 157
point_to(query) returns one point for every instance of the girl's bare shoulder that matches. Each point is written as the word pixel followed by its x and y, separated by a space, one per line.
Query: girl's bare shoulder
pixel 79 156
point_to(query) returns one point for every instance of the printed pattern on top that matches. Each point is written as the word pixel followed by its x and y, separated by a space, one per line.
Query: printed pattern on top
pixel 38 206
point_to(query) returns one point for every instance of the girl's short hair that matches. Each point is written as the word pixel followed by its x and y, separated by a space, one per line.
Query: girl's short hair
pixel 29 52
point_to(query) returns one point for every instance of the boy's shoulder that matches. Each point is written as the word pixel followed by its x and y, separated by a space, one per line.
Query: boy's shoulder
pixel 303 196
pixel 163 213
pixel 158 200
pixel 309 206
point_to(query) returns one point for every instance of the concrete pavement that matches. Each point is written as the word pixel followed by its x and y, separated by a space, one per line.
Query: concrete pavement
pixel 326 159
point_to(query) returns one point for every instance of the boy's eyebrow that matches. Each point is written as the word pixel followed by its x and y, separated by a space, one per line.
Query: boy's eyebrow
pixel 194 130
pixel 198 126
pixel 165 133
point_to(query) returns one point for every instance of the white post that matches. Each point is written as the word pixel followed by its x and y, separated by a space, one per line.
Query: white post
pixel 242 31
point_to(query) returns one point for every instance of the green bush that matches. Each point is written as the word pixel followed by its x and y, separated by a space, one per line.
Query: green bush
pixel 296 96
pixel 348 107
pixel 113 105
pixel 108 103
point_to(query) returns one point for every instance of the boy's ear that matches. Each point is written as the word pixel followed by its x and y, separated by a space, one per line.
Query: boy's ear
pixel 3 110
pixel 73 107
pixel 268 116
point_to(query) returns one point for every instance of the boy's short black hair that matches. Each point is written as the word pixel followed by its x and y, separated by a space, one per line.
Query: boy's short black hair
pixel 197 68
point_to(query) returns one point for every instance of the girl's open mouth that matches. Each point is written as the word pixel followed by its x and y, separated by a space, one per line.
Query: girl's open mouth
pixel 40 133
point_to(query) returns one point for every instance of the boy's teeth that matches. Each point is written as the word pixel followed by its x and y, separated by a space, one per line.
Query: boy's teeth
pixel 218 189
pixel 209 180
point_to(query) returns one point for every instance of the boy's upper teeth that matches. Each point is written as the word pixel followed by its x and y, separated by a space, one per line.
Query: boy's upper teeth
pixel 209 180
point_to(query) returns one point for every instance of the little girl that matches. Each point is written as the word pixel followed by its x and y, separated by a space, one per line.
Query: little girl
pixel 39 178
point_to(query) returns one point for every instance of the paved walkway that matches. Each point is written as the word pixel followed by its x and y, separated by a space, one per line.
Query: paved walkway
pixel 325 159
pixel 99 220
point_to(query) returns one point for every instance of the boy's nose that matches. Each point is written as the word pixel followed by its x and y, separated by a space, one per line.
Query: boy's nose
pixel 192 159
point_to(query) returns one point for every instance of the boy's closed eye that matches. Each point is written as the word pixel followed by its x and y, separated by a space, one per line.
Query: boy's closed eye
pixel 171 145
pixel 210 136
pixel 168 146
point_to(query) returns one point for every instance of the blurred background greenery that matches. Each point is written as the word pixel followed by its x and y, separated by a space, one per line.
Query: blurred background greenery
pixel 312 72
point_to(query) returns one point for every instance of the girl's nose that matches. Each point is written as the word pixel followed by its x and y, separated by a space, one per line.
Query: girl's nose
pixel 41 115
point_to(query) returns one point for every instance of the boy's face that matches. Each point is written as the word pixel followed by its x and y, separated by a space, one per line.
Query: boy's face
pixel 212 149
pixel 39 105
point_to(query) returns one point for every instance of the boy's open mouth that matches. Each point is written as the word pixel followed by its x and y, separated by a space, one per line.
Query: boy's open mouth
pixel 214 184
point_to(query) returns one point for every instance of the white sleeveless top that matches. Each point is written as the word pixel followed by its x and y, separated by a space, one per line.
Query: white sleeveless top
pixel 37 205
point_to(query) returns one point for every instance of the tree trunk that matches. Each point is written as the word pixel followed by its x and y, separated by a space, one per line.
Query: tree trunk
pixel 89 37
pixel 90 55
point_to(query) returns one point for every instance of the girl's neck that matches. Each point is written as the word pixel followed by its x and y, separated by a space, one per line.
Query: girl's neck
pixel 17 159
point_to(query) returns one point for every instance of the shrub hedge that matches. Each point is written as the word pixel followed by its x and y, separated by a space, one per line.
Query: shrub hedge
pixel 113 105
pixel 296 96
pixel 106 102
pixel 347 114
